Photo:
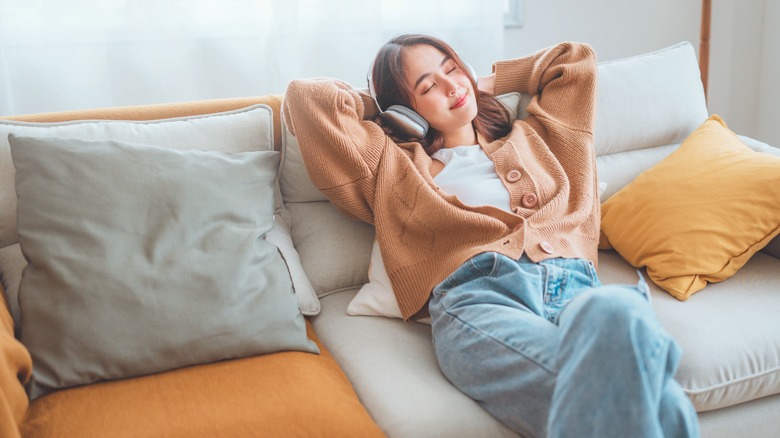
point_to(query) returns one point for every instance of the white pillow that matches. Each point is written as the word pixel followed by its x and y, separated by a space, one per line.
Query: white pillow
pixel 376 298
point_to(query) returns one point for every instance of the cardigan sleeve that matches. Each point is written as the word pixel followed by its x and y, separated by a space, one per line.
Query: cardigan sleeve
pixel 562 82
pixel 340 149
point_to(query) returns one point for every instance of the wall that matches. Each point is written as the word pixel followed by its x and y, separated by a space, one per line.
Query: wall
pixel 616 28
pixel 769 99
pixel 744 46
pixel 735 62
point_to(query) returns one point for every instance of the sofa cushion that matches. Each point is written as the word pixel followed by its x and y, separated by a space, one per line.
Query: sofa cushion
pixel 729 335
pixel 375 298
pixel 393 368
pixel 287 394
pixel 155 259
pixel 649 100
pixel 699 214
pixel 334 250
pixel 246 129
pixel 15 370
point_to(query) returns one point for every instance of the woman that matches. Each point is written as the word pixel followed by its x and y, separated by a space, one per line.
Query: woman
pixel 491 228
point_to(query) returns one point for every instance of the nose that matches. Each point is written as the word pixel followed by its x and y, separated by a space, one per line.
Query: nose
pixel 453 87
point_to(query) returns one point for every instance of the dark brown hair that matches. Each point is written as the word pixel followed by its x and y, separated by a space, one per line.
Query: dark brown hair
pixel 391 88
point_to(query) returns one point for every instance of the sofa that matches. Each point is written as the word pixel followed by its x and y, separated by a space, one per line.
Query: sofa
pixel 330 358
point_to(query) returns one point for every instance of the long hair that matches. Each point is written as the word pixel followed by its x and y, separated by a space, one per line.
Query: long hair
pixel 391 88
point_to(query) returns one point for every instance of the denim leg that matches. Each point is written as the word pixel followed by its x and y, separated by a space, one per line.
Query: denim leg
pixel 616 370
pixel 493 338
pixel 547 350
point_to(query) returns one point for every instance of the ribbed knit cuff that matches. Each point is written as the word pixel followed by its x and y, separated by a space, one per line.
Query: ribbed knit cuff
pixel 514 75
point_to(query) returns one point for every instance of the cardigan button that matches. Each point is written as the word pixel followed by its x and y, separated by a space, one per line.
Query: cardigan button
pixel 547 247
pixel 529 200
pixel 514 175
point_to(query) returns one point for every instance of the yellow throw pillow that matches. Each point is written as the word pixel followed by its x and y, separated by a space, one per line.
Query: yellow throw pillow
pixel 699 214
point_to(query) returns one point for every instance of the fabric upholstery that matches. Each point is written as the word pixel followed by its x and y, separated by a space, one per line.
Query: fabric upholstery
pixel 375 298
pixel 698 215
pixel 335 250
pixel 288 394
pixel 393 369
pixel 755 419
pixel 15 370
pixel 649 100
pixel 773 247
pixel 237 131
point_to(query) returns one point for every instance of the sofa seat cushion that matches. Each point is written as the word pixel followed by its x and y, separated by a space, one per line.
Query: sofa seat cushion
pixel 730 341
pixel 280 394
pixel 729 336
pixel 393 368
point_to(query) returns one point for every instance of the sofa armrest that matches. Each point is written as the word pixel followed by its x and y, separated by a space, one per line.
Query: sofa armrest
pixel 15 370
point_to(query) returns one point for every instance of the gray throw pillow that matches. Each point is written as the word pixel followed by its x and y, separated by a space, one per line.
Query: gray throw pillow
pixel 142 259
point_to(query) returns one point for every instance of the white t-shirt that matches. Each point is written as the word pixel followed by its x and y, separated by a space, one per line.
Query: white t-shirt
pixel 471 176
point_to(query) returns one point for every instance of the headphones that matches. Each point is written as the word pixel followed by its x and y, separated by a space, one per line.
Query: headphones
pixel 404 120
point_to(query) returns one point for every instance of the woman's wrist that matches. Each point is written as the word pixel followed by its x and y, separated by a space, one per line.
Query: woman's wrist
pixel 487 83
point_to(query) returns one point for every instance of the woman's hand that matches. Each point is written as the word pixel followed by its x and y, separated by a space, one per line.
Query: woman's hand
pixel 487 84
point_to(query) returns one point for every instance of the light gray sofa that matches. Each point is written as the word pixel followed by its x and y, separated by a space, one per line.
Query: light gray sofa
pixel 729 332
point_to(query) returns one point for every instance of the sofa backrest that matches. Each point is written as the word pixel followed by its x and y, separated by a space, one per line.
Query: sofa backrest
pixel 649 100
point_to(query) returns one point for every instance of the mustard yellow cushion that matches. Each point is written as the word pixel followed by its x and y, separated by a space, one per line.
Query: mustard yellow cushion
pixel 285 394
pixel 698 215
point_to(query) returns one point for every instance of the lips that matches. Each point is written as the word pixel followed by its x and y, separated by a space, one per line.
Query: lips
pixel 460 102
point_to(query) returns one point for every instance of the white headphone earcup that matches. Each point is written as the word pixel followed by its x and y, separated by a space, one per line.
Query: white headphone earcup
pixel 472 72
pixel 406 121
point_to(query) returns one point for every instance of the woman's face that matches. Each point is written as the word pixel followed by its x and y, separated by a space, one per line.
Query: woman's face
pixel 443 94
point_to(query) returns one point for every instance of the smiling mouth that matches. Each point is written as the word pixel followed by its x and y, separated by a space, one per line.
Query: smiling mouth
pixel 460 102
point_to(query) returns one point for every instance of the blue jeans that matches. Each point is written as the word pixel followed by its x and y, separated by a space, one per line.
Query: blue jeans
pixel 549 351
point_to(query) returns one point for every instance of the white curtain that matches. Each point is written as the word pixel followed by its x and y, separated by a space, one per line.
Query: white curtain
pixel 59 55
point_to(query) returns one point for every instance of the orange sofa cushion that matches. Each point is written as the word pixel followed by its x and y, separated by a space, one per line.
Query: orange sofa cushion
pixel 290 394
pixel 15 369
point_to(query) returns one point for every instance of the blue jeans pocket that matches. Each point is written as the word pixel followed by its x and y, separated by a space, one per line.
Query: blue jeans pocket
pixel 481 265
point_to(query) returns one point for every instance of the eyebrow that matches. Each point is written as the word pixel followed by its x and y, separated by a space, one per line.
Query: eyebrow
pixel 425 75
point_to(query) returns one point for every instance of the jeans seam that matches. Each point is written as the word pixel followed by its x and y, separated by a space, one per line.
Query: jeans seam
pixel 476 269
pixel 592 274
pixel 489 336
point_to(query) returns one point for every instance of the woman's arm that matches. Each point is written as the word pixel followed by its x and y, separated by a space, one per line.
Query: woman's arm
pixel 340 149
pixel 562 81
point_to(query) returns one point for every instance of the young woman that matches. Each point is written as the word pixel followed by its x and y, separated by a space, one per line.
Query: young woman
pixel 491 228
